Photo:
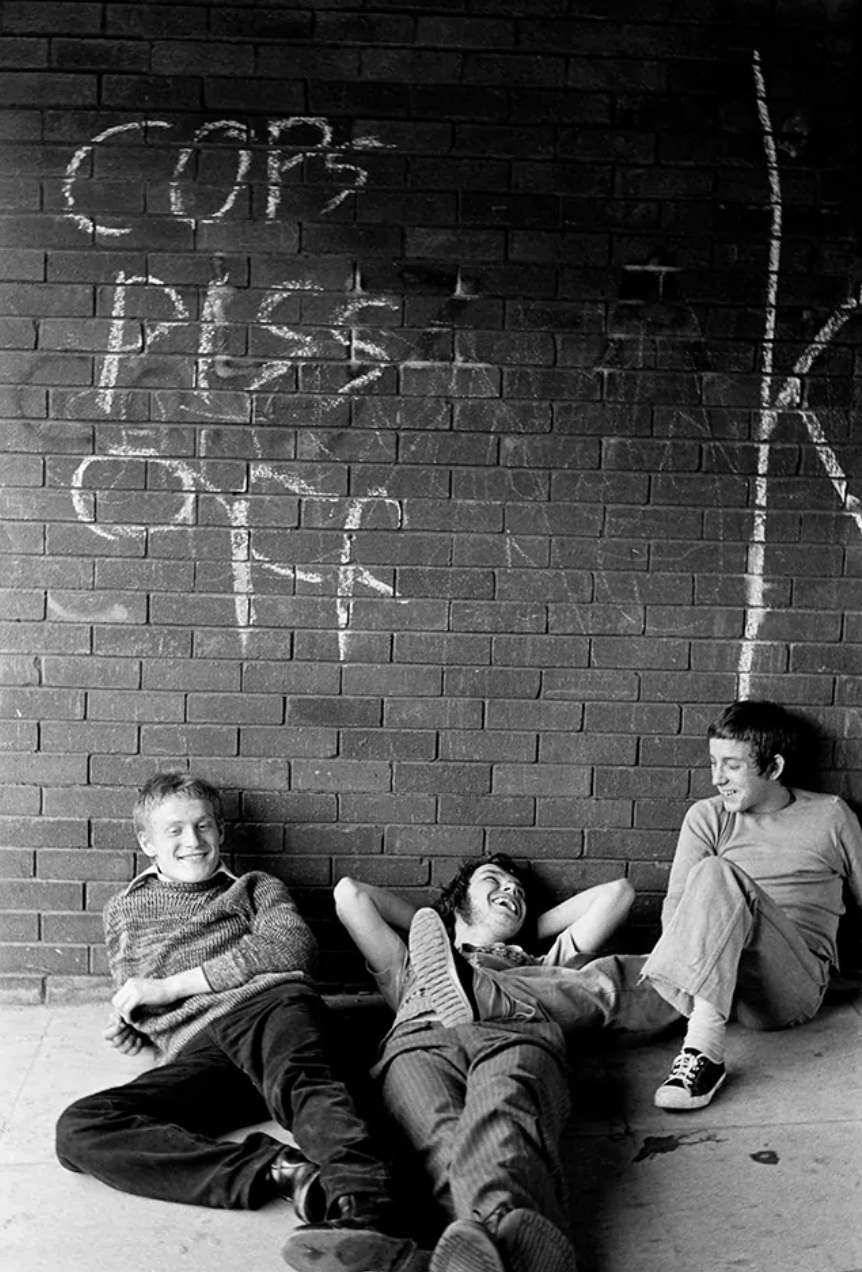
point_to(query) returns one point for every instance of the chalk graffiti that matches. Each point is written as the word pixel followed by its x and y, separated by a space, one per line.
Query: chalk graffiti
pixel 775 399
pixel 280 158
pixel 243 556
pixel 128 351
pixel 110 614
pixel 287 144
pixel 355 354
pixel 118 346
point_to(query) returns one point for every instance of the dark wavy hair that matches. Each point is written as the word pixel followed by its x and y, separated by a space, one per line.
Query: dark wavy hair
pixel 162 786
pixel 768 729
pixel 453 896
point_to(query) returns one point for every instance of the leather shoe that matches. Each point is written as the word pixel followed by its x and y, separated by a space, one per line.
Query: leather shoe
pixel 298 1180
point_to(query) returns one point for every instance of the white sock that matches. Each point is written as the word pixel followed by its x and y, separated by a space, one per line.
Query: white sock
pixel 706 1030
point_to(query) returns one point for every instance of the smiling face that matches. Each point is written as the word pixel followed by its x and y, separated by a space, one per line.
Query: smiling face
pixel 183 837
pixel 495 908
pixel 741 785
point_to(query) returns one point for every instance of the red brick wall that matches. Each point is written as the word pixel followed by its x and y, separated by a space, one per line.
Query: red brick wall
pixel 418 418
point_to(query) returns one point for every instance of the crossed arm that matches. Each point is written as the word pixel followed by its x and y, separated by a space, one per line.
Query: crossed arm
pixel 147 991
pixel 277 939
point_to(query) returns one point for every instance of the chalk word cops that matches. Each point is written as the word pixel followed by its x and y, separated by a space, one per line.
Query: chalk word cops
pixel 284 149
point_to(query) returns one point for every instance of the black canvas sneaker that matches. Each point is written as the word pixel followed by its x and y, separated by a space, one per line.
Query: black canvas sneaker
pixel 691 1083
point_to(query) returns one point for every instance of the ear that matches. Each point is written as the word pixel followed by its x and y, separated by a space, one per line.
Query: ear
pixel 145 843
pixel 776 768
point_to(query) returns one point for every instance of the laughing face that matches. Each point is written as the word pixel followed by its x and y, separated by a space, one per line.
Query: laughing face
pixel 183 836
pixel 495 904
pixel 741 785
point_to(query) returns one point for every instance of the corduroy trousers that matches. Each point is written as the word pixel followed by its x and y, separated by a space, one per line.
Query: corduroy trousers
pixel 157 1136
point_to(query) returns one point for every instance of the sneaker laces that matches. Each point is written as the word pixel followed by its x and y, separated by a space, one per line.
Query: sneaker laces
pixel 687 1066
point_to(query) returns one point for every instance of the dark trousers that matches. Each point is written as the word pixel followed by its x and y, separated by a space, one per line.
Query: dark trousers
pixel 156 1136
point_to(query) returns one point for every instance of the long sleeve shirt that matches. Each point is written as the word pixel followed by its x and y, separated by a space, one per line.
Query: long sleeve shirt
pixel 244 933
pixel 801 856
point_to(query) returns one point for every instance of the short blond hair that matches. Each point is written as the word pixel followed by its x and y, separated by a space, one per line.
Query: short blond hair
pixel 162 786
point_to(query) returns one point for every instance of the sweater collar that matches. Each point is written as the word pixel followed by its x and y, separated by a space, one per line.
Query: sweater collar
pixel 153 871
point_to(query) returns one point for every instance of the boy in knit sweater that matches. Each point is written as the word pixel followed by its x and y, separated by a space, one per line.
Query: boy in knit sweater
pixel 214 972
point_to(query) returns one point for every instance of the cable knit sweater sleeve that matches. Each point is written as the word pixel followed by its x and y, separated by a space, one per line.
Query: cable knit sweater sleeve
pixel 278 938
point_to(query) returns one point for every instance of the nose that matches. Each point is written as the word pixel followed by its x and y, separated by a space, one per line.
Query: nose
pixel 191 838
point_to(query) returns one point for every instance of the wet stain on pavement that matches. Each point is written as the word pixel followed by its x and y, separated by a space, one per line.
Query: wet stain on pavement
pixel 656 1145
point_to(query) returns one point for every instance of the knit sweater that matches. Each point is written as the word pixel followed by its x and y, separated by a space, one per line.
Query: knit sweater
pixel 245 933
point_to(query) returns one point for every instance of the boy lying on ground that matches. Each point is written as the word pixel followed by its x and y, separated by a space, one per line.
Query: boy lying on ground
pixel 215 972
pixel 474 1070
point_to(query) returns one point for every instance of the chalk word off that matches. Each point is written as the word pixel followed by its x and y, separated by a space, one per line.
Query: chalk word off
pixel 349 576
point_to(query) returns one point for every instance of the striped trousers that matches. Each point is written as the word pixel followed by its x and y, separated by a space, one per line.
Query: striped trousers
pixel 482 1107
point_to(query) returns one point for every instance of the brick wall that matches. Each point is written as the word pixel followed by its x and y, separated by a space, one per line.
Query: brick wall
pixel 417 417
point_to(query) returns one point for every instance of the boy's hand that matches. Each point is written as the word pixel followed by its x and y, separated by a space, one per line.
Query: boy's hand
pixel 123 1037
pixel 142 991
pixel 154 991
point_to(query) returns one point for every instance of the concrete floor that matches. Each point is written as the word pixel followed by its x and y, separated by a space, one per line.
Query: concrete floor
pixel 767 1179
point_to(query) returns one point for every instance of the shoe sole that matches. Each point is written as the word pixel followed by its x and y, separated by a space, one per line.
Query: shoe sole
pixel 433 961
pixel 465 1246
pixel 349 1250
pixel 675 1100
pixel 531 1243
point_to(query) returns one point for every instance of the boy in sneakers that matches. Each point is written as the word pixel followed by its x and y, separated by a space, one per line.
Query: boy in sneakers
pixel 214 972
pixel 754 898
pixel 474 1070
pixel 464 955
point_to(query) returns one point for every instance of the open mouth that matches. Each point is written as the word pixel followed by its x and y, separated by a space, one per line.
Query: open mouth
pixel 509 904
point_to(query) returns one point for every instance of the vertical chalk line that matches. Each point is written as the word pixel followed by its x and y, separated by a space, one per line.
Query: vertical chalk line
pixel 755 608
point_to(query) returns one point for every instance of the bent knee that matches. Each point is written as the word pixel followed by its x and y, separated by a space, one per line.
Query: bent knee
pixel 75 1127
pixel 622 893
pixel 716 870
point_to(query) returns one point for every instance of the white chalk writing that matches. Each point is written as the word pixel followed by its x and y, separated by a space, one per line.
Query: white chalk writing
pixel 280 157
pixel 775 399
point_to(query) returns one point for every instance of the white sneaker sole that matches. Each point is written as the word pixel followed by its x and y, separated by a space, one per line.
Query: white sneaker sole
pixel 677 1099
